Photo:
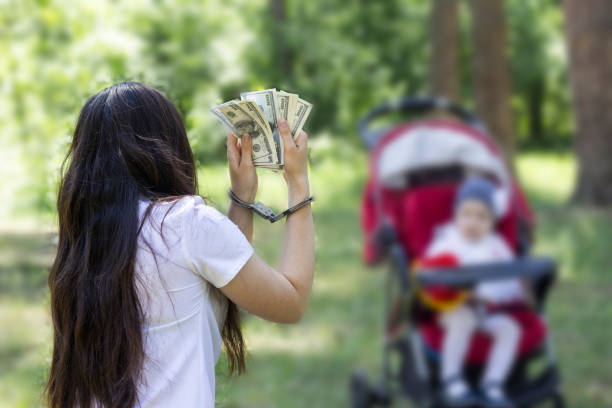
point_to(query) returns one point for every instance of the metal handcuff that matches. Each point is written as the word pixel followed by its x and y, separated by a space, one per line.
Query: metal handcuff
pixel 265 212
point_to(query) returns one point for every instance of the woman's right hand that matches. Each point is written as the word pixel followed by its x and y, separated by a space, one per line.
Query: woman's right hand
pixel 242 171
pixel 296 163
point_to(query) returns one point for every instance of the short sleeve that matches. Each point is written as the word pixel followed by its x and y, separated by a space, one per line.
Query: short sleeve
pixel 213 246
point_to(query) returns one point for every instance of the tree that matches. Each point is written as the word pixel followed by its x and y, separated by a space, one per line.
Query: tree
pixel 589 39
pixel 491 73
pixel 444 60
pixel 284 54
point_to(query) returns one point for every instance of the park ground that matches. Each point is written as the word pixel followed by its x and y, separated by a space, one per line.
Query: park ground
pixel 308 365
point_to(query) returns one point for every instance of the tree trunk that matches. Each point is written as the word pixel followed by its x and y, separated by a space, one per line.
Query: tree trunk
pixel 283 51
pixel 491 72
pixel 589 38
pixel 535 107
pixel 444 62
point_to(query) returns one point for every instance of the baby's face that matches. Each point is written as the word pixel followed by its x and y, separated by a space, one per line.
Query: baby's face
pixel 474 219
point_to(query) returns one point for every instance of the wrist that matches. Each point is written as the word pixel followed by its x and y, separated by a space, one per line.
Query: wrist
pixel 245 195
pixel 298 191
pixel 299 183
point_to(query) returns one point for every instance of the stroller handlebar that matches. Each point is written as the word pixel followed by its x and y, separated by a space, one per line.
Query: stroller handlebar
pixel 532 268
pixel 417 105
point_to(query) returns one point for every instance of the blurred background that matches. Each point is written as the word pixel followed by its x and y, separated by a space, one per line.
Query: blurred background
pixel 538 72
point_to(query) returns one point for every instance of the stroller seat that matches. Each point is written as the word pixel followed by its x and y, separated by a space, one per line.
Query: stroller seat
pixel 533 335
pixel 433 204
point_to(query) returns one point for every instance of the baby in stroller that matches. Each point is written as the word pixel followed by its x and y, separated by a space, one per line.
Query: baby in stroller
pixel 471 238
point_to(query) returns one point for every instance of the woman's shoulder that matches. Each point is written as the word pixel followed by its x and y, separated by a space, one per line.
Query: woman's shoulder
pixel 182 215
pixel 212 245
pixel 185 207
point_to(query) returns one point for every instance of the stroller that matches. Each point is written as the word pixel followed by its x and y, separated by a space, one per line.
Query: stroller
pixel 415 169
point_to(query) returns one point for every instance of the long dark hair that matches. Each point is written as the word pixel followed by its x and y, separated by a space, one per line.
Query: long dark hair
pixel 129 144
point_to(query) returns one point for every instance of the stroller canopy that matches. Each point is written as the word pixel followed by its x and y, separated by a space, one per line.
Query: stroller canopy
pixel 431 144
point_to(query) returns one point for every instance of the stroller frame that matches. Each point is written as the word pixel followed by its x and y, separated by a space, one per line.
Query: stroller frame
pixel 414 374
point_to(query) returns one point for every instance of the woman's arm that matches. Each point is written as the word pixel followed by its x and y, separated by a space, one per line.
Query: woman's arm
pixel 280 295
pixel 243 218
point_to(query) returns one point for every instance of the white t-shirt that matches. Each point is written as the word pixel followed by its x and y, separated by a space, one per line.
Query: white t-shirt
pixel 491 248
pixel 201 249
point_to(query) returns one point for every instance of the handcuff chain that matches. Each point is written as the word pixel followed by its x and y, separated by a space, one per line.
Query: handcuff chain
pixel 264 211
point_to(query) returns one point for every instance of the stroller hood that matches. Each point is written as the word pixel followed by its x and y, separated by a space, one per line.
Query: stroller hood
pixel 434 143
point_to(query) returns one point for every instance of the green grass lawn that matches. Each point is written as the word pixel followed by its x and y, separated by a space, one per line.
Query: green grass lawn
pixel 308 365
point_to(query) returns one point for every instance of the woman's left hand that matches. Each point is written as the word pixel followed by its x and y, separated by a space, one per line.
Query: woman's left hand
pixel 242 171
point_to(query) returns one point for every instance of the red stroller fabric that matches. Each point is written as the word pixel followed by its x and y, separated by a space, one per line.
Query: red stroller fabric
pixel 415 211
pixel 533 333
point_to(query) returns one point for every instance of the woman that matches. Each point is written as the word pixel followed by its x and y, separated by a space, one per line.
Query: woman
pixel 147 278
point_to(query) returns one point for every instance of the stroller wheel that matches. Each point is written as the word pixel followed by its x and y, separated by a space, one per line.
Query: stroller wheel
pixel 364 394
pixel 558 400
pixel 360 391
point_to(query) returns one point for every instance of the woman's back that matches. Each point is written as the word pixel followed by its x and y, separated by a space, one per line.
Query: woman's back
pixel 184 248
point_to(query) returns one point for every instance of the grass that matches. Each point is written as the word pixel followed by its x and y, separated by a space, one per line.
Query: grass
pixel 308 365
pixel 24 325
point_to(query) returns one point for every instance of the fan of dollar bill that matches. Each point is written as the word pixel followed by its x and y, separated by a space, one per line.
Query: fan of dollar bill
pixel 257 113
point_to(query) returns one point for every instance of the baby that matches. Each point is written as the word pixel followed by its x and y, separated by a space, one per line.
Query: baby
pixel 472 239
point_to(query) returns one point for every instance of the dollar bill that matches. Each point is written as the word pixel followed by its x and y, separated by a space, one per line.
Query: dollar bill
pixel 302 110
pixel 215 111
pixel 267 100
pixel 258 114
pixel 286 106
pixel 245 117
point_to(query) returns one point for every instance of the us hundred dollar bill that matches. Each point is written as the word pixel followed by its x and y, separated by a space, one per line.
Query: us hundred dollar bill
pixel 267 102
pixel 245 117
pixel 302 111
pixel 286 106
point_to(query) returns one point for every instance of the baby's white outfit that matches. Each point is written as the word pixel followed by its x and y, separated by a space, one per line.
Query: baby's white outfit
pixel 460 323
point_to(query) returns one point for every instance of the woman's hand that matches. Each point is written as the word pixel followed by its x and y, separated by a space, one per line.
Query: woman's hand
pixel 242 171
pixel 296 163
pixel 280 295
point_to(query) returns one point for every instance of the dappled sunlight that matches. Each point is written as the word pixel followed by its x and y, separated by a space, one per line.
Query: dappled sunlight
pixel 339 283
pixel 568 234
pixel 290 340
pixel 547 177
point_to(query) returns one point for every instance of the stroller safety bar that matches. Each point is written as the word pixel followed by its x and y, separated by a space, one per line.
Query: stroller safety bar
pixel 532 268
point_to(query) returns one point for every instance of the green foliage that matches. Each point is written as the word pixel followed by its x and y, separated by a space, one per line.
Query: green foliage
pixel 541 98
pixel 345 56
